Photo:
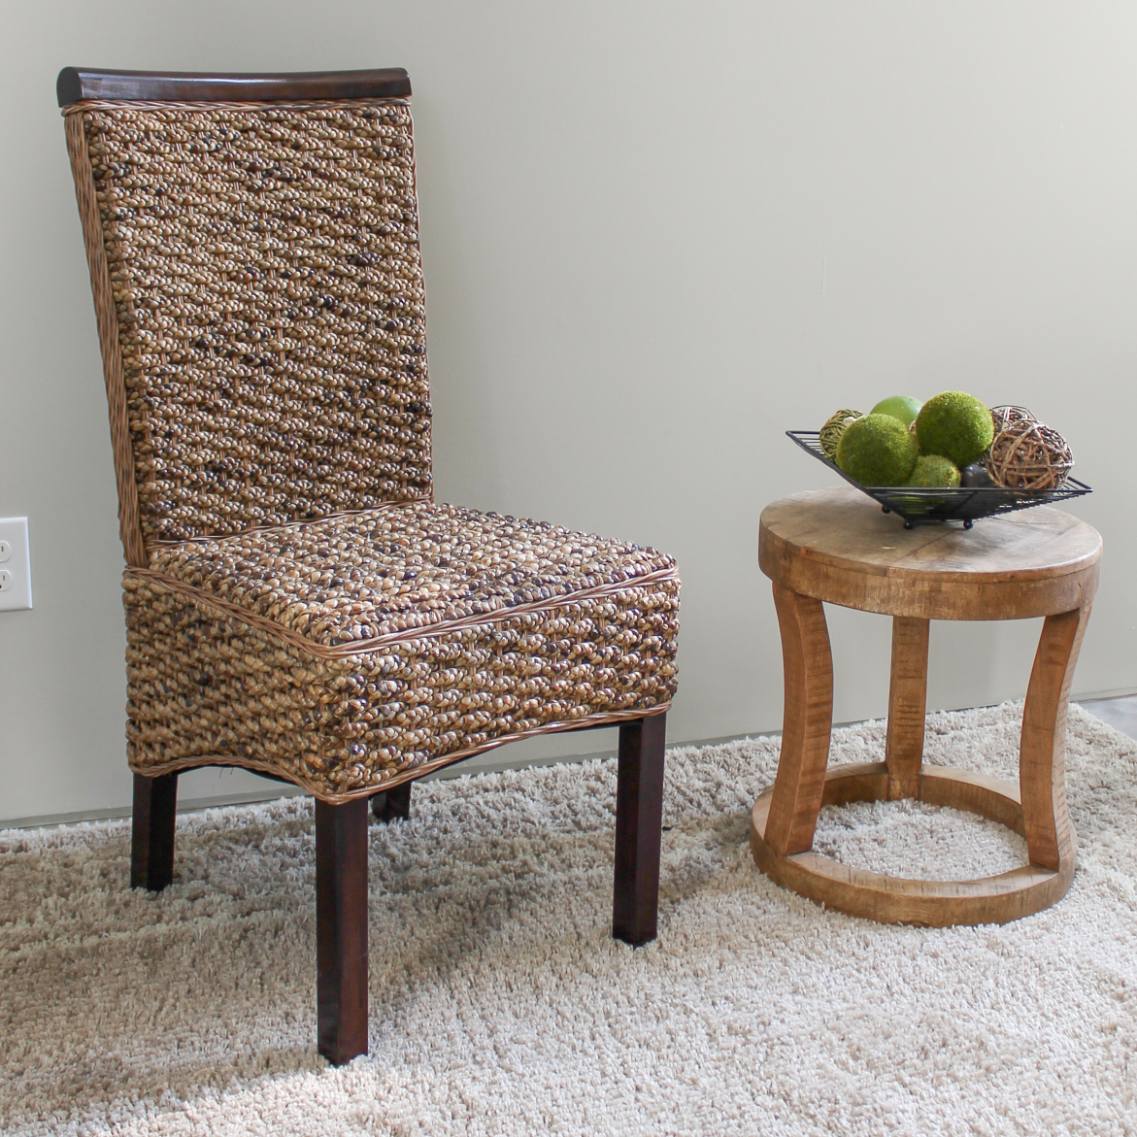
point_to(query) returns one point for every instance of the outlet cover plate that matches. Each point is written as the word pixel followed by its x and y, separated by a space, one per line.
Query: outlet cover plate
pixel 16 566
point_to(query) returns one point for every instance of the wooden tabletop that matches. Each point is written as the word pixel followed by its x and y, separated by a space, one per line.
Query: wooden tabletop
pixel 838 545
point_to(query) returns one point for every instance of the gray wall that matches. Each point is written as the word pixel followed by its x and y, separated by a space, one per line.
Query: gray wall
pixel 656 234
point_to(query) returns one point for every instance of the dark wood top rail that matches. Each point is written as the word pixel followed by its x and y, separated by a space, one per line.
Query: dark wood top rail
pixel 77 83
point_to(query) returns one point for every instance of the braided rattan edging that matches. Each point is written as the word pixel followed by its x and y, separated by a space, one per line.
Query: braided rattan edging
pixel 378 643
pixel 346 581
pixel 411 775
pixel 341 515
pixel 106 318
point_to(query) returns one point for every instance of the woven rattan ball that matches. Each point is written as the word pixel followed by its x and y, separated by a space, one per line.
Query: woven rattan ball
pixel 1009 414
pixel 1029 455
pixel 833 428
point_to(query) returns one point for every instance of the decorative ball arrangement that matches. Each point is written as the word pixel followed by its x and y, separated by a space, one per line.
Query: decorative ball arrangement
pixel 955 425
pixel 1029 455
pixel 877 450
pixel 903 407
pixel 832 429
pixel 951 440
pixel 975 476
pixel 934 470
pixel 1008 415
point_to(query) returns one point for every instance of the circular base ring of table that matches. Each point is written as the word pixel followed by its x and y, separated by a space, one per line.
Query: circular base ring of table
pixel 899 900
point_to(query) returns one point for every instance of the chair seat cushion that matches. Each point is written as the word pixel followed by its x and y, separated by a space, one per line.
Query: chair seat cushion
pixel 349 653
pixel 348 580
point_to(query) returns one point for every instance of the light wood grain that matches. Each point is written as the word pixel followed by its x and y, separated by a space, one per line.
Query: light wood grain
pixel 934 903
pixel 807 722
pixel 1042 752
pixel 907 702
pixel 835 546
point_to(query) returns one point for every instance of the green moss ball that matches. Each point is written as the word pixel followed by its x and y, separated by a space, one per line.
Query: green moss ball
pixel 877 450
pixel 833 428
pixel 903 407
pixel 934 470
pixel 956 425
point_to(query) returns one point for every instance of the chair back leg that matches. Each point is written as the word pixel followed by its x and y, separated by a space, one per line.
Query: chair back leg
pixel 152 831
pixel 341 929
pixel 392 805
pixel 639 817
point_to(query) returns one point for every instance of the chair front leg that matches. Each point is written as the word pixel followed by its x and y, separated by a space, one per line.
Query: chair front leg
pixel 341 929
pixel 152 831
pixel 639 818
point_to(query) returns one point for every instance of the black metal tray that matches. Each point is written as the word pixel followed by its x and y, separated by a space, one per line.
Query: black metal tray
pixel 919 505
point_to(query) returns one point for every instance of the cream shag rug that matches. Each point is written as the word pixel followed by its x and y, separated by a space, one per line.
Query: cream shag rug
pixel 500 1006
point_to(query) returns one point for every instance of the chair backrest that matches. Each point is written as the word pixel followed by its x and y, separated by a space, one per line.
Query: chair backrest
pixel 254 253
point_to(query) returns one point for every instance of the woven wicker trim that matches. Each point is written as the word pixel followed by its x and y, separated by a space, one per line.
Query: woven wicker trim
pixel 364 647
pixel 164 542
pixel 220 104
pixel 106 317
pixel 414 773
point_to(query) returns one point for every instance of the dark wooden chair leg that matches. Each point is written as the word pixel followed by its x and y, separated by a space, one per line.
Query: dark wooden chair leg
pixel 341 929
pixel 152 831
pixel 392 805
pixel 639 817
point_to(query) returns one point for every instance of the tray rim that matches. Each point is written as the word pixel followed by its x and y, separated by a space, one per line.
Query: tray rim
pixel 1071 488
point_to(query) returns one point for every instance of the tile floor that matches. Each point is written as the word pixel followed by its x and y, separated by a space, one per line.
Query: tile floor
pixel 1120 712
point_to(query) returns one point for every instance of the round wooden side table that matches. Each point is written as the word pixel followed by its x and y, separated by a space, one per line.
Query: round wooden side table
pixel 836 546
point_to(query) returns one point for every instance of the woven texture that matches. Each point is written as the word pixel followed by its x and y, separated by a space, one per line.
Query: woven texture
pixel 349 579
pixel 1029 455
pixel 348 653
pixel 267 282
pixel 296 603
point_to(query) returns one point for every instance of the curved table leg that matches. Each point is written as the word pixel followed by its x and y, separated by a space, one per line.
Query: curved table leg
pixel 1036 807
pixel 907 704
pixel 808 720
pixel 1042 753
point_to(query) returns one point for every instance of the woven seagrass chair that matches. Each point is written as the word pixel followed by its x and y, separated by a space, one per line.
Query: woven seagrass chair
pixel 296 602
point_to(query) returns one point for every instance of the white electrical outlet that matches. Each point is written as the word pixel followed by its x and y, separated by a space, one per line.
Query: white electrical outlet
pixel 15 564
